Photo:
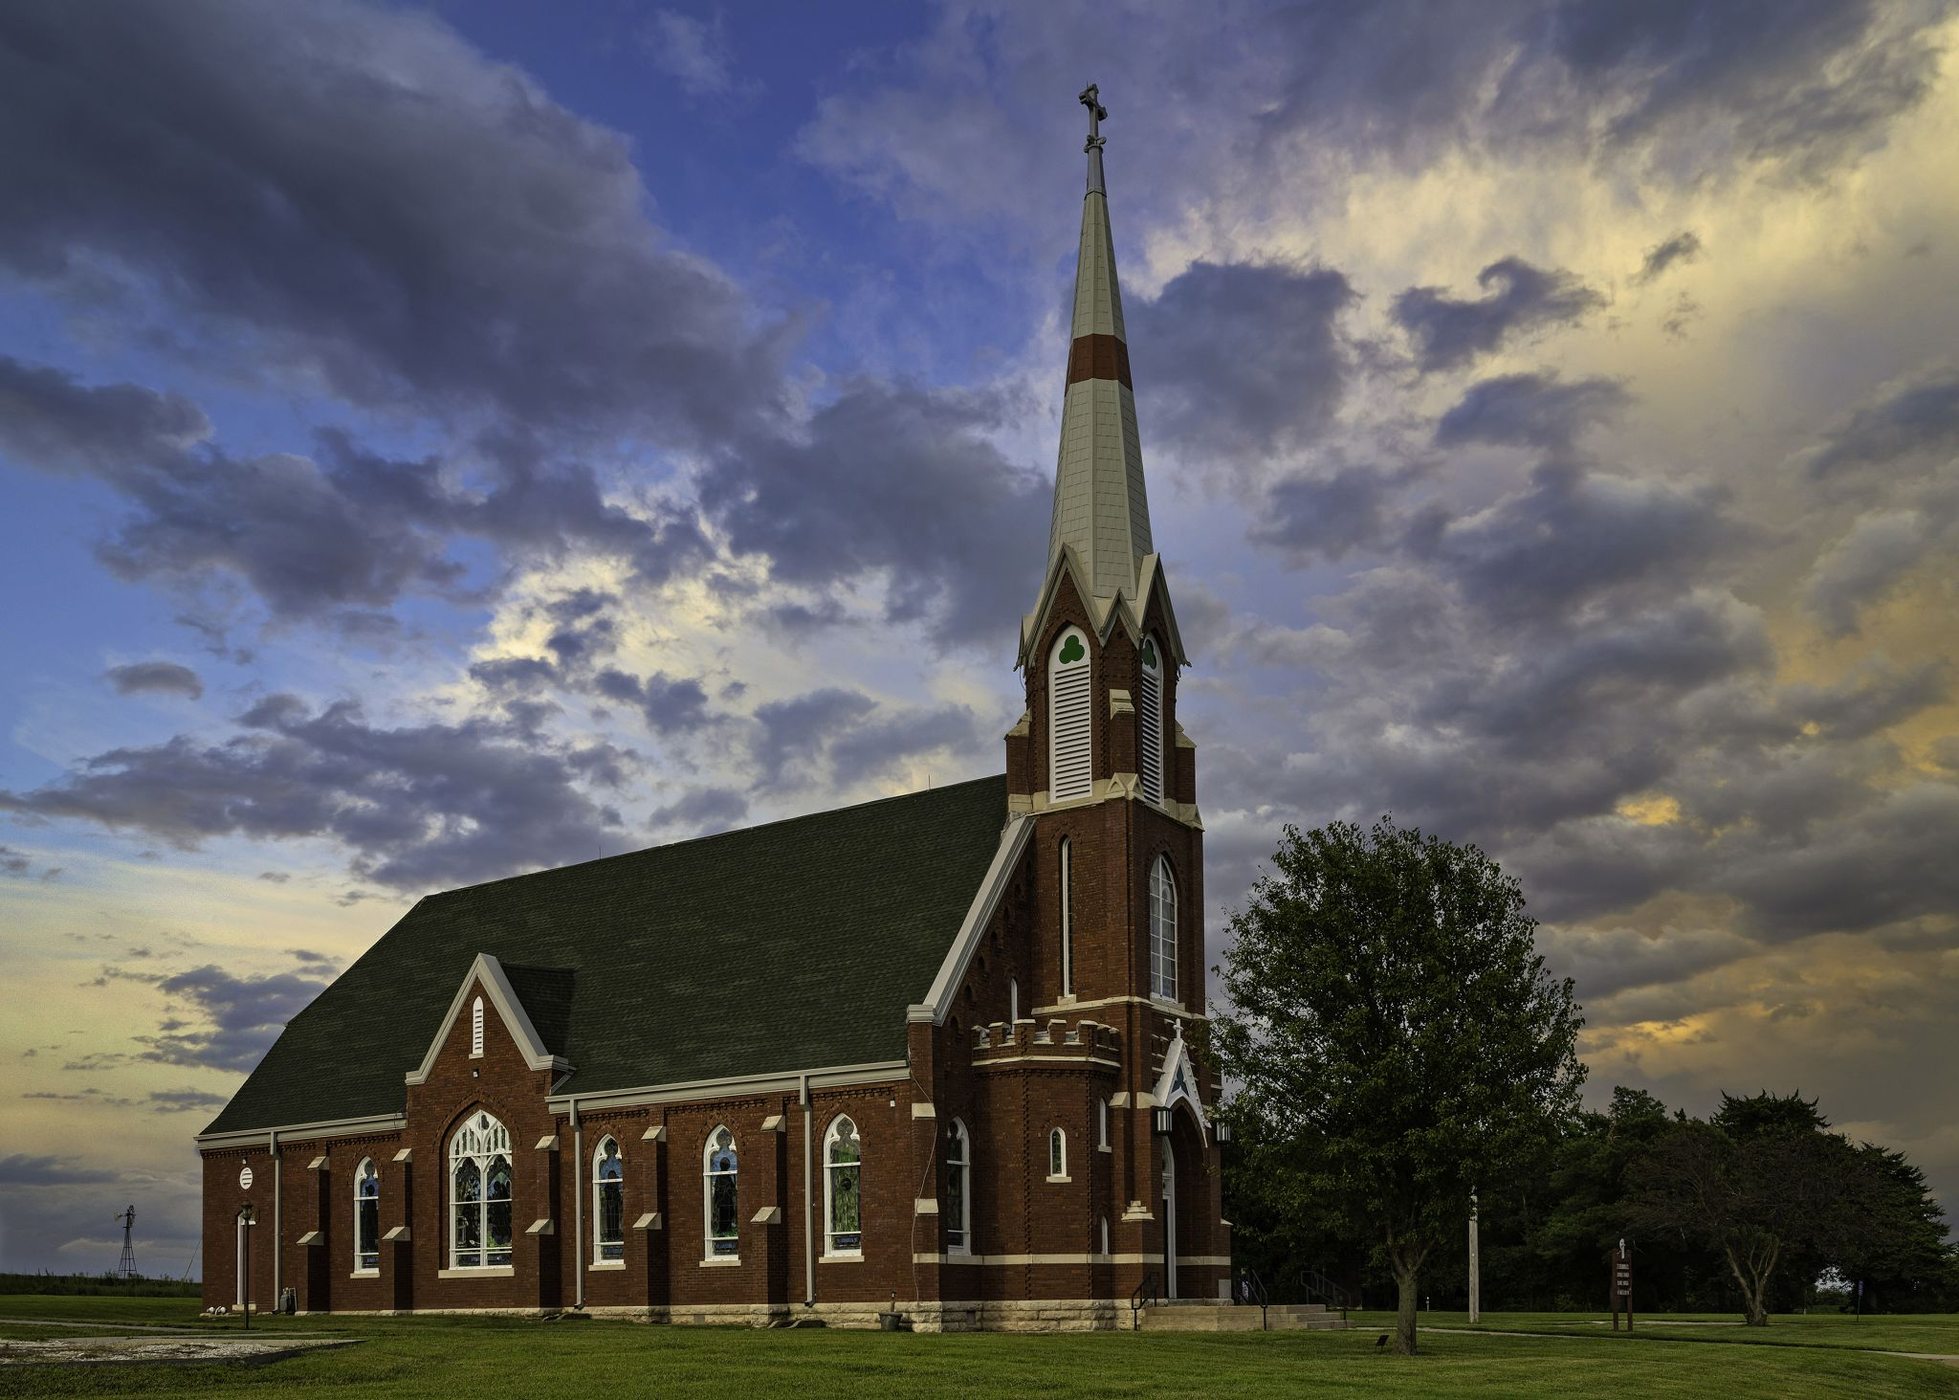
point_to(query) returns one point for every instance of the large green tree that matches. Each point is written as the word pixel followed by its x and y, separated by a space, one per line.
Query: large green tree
pixel 1395 1035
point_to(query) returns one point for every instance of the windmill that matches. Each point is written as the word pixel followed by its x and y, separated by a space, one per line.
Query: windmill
pixel 126 1266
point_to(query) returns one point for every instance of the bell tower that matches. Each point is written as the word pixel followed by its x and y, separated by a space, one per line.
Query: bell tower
pixel 1098 758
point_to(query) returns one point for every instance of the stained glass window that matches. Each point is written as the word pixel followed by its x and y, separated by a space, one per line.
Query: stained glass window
pixel 720 1186
pixel 608 1202
pixel 842 1188
pixel 1057 1153
pixel 479 1194
pixel 367 1216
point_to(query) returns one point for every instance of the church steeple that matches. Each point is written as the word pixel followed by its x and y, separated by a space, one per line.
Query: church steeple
pixel 1101 522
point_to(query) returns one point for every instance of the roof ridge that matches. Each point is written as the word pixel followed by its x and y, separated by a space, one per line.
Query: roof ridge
pixel 721 835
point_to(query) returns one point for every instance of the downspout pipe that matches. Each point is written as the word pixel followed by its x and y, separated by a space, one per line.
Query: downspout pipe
pixel 578 1205
pixel 278 1220
pixel 809 1202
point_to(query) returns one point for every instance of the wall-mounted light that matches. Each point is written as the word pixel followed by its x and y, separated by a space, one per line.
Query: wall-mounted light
pixel 1160 1121
pixel 1221 1131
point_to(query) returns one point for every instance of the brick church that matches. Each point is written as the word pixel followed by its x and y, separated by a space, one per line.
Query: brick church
pixel 932 1053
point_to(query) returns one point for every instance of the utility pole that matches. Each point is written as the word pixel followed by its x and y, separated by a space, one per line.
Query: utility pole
pixel 1475 1267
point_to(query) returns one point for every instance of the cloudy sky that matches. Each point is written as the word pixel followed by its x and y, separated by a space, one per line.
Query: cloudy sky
pixel 441 442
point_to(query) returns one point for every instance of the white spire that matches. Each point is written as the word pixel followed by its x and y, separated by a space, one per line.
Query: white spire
pixel 1101 509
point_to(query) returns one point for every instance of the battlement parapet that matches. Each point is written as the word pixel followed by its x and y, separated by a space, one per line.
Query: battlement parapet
pixel 1004 1040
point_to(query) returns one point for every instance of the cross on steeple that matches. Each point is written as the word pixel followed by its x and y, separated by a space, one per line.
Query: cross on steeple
pixel 1097 113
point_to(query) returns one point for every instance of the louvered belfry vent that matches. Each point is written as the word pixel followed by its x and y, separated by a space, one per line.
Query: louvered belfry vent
pixel 1071 750
pixel 1149 719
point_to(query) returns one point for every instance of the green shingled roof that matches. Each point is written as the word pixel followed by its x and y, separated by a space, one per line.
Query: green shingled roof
pixel 783 947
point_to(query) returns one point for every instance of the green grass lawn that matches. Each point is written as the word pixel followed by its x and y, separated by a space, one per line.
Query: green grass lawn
pixel 1937 1332
pixel 444 1357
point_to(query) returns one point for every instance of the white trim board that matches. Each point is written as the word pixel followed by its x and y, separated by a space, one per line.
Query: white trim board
pixel 952 971
pixel 530 1044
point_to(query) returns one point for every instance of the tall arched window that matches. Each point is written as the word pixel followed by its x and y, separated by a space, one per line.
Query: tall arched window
pixel 1013 1000
pixel 843 1203
pixel 1057 1155
pixel 367 1217
pixel 958 1189
pixel 1103 1224
pixel 1163 930
pixel 1102 1124
pixel 1071 758
pixel 476 1029
pixel 1067 882
pixel 720 1192
pixel 608 1203
pixel 1149 721
pixel 479 1194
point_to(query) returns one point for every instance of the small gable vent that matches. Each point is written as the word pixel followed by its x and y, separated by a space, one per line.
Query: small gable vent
pixel 1071 767
pixel 476 1029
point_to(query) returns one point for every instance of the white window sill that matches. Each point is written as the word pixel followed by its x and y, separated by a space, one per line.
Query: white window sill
pixel 365 1273
pixel 721 1261
pixel 856 1258
pixel 1103 1147
pixel 480 1271
pixel 1157 999
pixel 598 1264
pixel 1061 1179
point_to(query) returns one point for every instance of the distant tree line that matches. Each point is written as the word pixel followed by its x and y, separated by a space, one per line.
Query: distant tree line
pixel 106 1284
pixel 1394 1042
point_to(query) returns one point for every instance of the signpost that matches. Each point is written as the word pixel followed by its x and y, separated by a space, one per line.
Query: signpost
pixel 1620 1266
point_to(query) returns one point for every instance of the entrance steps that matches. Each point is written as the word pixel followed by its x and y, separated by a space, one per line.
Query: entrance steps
pixel 1203 1315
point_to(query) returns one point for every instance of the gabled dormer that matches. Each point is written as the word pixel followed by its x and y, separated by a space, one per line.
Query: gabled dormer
pixel 489 1017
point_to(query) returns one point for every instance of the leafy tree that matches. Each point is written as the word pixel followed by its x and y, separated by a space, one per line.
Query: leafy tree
pixel 1897 1243
pixel 1764 1184
pixel 1396 1035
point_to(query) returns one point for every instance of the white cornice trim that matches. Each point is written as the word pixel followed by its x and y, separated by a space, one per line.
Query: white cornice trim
pixel 331 1127
pixel 827 1077
pixel 952 971
pixel 530 1044
pixel 1179 1078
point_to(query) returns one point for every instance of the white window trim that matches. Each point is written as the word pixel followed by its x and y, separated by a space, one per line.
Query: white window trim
pixel 1066 859
pixel 360 1174
pixel 1058 1137
pixel 483 1160
pixel 1163 959
pixel 965 1162
pixel 708 1254
pixel 830 1169
pixel 598 1211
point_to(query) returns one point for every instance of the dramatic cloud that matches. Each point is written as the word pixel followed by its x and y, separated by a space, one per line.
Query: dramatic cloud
pixel 1529 410
pixel 852 734
pixel 333 536
pixel 356 196
pixel 1917 414
pixel 1683 247
pixel 1865 565
pixel 897 478
pixel 1241 358
pixel 236 1019
pixel 1331 516
pixel 155 678
pixel 1518 298
pixel 416 807
pixel 20 1169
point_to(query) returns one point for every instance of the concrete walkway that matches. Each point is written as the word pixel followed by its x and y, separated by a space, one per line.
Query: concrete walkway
pixel 1941 1357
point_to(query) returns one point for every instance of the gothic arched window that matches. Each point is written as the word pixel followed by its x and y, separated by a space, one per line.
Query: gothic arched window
pixel 1057 1155
pixel 367 1217
pixel 608 1203
pixel 720 1191
pixel 1163 930
pixel 479 1194
pixel 476 1029
pixel 1149 721
pixel 958 1189
pixel 843 1195
pixel 1071 755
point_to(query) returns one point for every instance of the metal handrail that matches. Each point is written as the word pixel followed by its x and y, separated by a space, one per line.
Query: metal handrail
pixel 1312 1282
pixel 1144 1295
pixel 1251 1289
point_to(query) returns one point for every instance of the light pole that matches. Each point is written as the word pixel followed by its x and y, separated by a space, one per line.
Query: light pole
pixel 245 1217
pixel 1475 1267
